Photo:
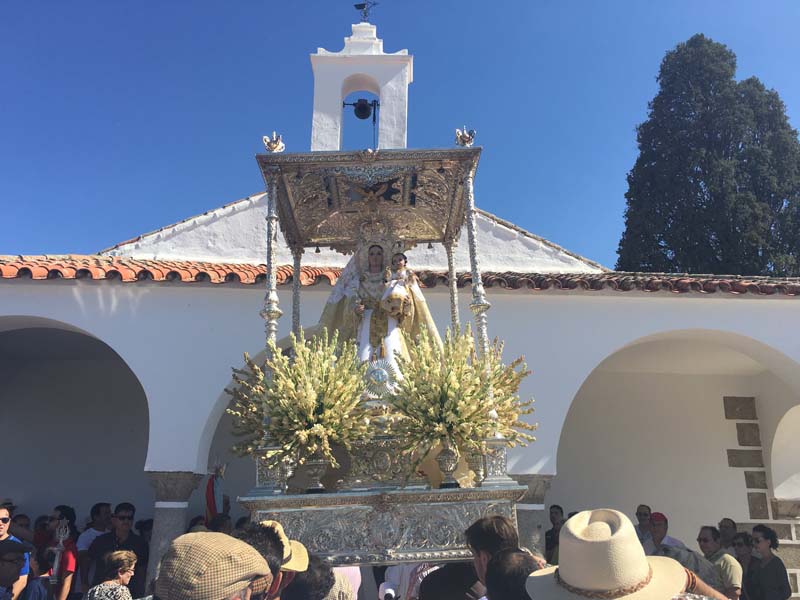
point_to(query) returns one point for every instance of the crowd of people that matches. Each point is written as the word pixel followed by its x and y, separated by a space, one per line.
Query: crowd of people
pixel 738 564
pixel 592 554
pixel 75 561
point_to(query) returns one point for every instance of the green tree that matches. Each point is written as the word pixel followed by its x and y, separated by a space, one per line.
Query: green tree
pixel 716 186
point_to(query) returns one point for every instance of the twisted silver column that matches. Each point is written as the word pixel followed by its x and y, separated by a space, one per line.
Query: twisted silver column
pixel 297 254
pixel 271 313
pixel 479 304
pixel 452 282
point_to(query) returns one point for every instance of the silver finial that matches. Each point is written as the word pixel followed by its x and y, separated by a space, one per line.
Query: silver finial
pixel 274 143
pixel 465 137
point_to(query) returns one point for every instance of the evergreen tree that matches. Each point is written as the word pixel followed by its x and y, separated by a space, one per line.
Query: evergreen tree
pixel 716 186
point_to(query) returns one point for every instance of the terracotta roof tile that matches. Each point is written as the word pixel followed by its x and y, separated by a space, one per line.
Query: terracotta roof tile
pixel 76 266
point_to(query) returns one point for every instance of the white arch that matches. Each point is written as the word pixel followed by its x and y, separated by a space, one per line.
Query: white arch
pixel 358 82
pixel 786 456
pixel 782 366
pixel 79 410
pixel 216 414
pixel 647 425
pixel 12 322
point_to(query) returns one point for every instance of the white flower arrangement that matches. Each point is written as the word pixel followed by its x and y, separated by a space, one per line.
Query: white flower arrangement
pixel 311 400
pixel 447 394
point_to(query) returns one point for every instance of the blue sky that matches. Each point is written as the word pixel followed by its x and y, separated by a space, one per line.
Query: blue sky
pixel 117 118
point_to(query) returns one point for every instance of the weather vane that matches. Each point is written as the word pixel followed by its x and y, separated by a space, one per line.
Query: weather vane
pixel 364 8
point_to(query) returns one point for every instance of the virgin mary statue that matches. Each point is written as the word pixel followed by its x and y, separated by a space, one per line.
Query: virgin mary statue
pixel 375 304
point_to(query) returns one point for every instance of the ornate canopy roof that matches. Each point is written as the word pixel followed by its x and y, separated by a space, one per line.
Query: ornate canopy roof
pixel 339 199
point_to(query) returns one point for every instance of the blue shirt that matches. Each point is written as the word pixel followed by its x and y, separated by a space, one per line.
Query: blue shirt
pixel 35 590
pixel 26 567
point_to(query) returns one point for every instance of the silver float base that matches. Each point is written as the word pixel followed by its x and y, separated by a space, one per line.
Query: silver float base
pixel 385 526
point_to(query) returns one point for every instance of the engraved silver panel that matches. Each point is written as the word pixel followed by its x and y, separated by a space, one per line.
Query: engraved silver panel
pixel 385 527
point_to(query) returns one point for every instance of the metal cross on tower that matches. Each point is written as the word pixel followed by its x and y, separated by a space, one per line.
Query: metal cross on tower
pixel 364 8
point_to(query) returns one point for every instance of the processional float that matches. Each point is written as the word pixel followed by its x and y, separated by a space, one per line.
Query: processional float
pixel 343 200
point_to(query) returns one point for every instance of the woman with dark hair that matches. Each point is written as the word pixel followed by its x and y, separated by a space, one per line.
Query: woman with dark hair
pixel 770 580
pixel 743 546
pixel 119 568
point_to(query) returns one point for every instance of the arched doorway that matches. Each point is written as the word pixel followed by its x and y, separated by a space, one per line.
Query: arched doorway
pixel 785 458
pixel 76 420
pixel 677 421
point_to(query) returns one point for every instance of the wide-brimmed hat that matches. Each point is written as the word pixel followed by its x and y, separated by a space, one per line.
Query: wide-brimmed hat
pixel 210 566
pixel 600 556
pixel 295 555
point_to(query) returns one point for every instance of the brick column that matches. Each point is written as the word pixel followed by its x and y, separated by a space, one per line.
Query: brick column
pixel 173 489
pixel 748 454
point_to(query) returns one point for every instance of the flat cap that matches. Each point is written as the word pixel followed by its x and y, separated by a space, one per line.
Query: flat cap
pixel 210 566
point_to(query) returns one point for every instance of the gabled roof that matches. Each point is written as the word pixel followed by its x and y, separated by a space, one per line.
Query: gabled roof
pixel 128 270
pixel 235 233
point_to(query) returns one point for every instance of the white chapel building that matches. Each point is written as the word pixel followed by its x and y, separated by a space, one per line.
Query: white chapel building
pixel 678 391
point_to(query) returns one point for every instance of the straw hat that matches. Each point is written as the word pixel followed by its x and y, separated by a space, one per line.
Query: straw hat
pixel 295 555
pixel 601 557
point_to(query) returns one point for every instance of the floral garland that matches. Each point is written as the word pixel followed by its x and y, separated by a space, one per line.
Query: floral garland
pixel 449 394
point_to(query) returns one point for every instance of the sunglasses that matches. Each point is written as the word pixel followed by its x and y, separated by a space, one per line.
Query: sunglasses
pixel 5 520
pixel 703 540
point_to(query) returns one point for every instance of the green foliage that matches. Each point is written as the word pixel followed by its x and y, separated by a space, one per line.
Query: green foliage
pixel 716 186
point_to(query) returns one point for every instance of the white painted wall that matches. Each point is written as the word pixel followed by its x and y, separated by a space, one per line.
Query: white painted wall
pixel 565 337
pixel 235 233
pixel 180 340
pixel 74 432
pixel 657 439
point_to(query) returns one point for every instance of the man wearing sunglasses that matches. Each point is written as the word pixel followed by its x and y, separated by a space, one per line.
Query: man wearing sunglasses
pixel 121 538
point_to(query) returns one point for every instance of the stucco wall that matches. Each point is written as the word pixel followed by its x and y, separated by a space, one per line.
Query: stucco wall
pixel 181 340
pixel 656 439
pixel 235 233
pixel 75 432
pixel 565 337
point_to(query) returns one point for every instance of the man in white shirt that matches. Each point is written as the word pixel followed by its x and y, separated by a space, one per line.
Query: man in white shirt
pixel 101 523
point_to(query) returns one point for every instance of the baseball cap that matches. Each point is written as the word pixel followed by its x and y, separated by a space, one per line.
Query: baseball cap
pixel 210 566
pixel 658 517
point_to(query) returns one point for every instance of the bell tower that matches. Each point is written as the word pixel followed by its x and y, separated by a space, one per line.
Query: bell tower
pixel 361 65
